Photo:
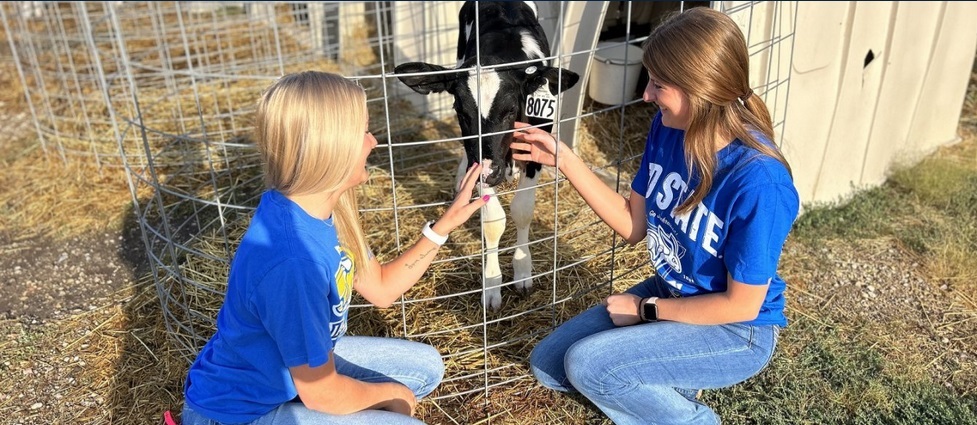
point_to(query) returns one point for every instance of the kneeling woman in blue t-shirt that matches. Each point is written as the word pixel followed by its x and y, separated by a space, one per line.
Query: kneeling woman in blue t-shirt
pixel 279 355
pixel 715 201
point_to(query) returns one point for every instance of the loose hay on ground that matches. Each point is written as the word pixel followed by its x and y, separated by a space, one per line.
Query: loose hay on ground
pixel 44 196
pixel 480 348
pixel 72 68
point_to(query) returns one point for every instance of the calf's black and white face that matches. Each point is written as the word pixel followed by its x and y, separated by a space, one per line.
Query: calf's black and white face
pixel 488 104
pixel 490 101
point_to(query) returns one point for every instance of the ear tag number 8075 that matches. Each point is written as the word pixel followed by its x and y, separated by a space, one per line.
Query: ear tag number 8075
pixel 541 104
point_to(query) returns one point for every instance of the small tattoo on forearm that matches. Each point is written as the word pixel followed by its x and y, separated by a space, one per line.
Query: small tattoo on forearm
pixel 411 265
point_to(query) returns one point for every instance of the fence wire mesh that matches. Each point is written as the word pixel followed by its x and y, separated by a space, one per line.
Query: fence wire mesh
pixel 168 90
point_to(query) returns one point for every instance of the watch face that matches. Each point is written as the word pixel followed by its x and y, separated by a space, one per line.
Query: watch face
pixel 650 311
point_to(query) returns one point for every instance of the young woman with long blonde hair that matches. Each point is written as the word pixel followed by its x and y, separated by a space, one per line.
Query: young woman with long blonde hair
pixel 279 355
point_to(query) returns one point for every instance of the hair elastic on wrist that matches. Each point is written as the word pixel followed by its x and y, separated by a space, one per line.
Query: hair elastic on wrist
pixel 429 233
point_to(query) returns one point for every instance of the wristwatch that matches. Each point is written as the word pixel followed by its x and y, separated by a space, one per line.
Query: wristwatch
pixel 648 310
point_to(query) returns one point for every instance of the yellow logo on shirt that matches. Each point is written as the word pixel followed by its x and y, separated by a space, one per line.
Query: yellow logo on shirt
pixel 344 287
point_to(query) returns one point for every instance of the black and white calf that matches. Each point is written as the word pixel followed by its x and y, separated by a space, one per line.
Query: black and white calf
pixel 516 83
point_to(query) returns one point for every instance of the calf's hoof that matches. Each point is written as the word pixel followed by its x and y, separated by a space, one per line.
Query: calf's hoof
pixel 492 293
pixel 492 299
pixel 524 284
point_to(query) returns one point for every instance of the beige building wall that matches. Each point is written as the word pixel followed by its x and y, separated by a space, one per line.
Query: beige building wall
pixel 851 114
pixel 425 31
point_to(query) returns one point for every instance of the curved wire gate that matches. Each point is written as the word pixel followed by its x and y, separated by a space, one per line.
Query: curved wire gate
pixel 168 90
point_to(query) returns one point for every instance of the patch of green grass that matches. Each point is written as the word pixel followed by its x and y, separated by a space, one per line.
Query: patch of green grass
pixel 925 403
pixel 835 375
pixel 944 184
pixel 927 207
pixel 21 345
pixel 943 190
pixel 866 214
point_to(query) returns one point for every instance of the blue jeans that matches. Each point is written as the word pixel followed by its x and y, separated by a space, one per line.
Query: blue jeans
pixel 418 366
pixel 649 373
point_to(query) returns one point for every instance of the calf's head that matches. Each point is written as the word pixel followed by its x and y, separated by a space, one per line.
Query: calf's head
pixel 487 103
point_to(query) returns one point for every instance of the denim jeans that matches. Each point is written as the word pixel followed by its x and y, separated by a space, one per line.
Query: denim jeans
pixel 649 373
pixel 418 366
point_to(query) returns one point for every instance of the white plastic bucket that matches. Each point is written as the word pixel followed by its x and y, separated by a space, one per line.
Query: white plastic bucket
pixel 612 77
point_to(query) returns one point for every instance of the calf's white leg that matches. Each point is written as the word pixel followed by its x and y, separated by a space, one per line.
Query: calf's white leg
pixel 493 225
pixel 522 208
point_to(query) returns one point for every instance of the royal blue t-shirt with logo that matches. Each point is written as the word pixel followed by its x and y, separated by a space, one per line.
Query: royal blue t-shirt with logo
pixel 288 293
pixel 739 227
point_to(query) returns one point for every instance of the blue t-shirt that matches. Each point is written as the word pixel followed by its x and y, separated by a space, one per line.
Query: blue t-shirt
pixel 286 305
pixel 739 227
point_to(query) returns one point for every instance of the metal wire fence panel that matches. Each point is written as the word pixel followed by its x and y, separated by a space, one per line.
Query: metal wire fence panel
pixel 168 91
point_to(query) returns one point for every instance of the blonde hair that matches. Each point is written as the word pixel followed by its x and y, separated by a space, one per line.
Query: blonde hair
pixel 703 52
pixel 308 132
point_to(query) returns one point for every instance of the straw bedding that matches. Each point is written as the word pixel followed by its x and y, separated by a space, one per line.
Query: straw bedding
pixel 572 253
pixel 195 134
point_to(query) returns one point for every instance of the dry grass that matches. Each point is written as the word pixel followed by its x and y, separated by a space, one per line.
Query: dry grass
pixel 162 46
pixel 43 196
pixel 78 166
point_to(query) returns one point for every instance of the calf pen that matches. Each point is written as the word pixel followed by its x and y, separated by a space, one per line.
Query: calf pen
pixel 167 91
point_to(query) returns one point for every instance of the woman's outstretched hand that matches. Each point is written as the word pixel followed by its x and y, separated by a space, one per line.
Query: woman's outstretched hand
pixel 463 206
pixel 536 145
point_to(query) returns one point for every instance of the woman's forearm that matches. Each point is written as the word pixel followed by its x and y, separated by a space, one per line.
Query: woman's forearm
pixel 323 389
pixel 739 303
pixel 708 309
pixel 609 205
pixel 401 273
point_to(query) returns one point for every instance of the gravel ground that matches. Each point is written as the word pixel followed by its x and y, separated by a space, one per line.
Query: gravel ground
pixel 42 279
pixel 57 300
pixel 878 284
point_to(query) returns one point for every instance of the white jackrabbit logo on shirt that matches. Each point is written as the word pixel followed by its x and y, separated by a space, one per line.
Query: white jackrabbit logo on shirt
pixel 665 248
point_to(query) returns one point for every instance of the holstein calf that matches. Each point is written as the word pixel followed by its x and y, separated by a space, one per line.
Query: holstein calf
pixel 517 84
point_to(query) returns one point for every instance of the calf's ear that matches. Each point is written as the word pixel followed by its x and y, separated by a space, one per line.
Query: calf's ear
pixel 426 84
pixel 560 80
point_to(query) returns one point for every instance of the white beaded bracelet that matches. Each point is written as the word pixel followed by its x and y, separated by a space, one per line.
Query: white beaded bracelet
pixel 432 235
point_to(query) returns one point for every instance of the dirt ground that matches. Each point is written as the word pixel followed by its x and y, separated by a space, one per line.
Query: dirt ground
pixel 45 279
